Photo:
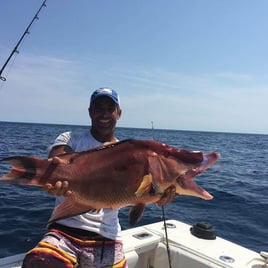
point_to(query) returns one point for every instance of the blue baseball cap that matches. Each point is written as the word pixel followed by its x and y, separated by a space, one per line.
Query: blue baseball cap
pixel 105 92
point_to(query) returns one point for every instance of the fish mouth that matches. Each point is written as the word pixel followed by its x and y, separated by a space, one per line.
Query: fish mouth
pixel 186 185
pixel 208 160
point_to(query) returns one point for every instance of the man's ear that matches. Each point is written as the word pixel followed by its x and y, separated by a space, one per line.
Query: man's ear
pixel 89 111
pixel 119 112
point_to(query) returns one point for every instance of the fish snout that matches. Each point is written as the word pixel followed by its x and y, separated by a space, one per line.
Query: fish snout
pixel 185 184
pixel 209 159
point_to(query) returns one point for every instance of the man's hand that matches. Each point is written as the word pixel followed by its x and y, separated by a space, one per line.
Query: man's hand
pixel 60 188
pixel 168 195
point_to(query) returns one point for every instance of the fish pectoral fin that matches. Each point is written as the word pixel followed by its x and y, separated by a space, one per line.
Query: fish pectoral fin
pixel 167 196
pixel 68 208
pixel 136 213
pixel 145 186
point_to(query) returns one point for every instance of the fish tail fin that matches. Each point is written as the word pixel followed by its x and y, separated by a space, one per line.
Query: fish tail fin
pixel 24 170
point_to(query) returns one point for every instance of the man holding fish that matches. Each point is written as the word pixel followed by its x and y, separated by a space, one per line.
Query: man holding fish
pixel 93 184
pixel 90 239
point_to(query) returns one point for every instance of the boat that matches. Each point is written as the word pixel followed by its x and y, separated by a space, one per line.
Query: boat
pixel 176 244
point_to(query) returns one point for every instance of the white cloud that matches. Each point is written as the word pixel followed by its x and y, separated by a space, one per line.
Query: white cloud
pixel 54 90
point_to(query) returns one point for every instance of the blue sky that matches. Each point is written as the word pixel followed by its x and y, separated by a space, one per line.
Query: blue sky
pixel 186 65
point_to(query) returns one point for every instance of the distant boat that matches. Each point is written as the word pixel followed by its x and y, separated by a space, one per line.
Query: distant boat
pixel 188 246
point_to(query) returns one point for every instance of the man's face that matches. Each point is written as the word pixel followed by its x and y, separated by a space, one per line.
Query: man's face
pixel 104 114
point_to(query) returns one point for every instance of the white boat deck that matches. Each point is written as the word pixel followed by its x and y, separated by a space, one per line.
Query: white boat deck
pixel 146 247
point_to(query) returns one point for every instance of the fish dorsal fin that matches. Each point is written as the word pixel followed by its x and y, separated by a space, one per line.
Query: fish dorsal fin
pixel 136 213
pixel 68 208
pixel 145 186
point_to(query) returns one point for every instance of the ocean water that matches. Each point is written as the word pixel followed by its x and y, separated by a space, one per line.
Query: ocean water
pixel 238 182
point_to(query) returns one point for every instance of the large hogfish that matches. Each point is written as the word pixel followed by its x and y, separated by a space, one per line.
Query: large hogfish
pixel 130 172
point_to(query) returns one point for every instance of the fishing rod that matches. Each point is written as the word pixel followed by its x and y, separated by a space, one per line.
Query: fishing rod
pixel 164 217
pixel 15 49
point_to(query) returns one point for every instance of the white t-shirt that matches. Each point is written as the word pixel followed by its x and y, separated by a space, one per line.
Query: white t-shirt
pixel 105 221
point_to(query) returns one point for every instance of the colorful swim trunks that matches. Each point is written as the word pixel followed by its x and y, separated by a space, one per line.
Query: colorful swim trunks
pixel 60 248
